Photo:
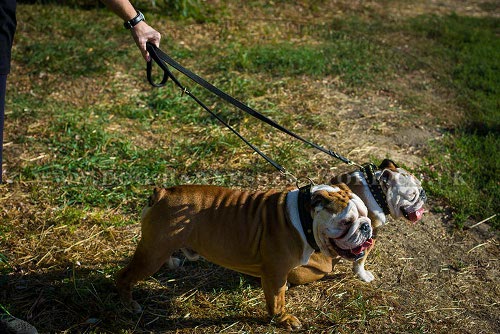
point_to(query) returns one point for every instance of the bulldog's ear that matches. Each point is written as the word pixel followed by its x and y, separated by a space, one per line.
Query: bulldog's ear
pixel 342 178
pixel 388 164
pixel 386 175
pixel 335 201
pixel 319 198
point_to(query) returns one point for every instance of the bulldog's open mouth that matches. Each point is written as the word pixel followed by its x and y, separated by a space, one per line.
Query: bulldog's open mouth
pixel 413 214
pixel 353 253
pixel 358 250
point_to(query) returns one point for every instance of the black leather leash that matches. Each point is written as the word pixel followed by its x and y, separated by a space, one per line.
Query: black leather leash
pixel 158 56
pixel 162 59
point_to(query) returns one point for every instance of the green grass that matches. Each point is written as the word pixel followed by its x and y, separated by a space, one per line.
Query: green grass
pixel 465 172
pixel 470 47
pixel 94 167
pixel 185 9
pixel 357 61
pixel 69 47
pixel 467 161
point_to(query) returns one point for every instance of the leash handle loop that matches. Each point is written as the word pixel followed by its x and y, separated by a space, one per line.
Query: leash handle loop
pixel 149 68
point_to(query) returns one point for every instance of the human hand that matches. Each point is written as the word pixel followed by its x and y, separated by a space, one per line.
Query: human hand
pixel 143 33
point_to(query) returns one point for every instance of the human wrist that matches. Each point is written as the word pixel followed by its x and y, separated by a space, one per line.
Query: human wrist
pixel 134 21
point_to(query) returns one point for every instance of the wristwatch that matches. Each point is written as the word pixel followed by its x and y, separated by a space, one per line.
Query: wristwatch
pixel 133 22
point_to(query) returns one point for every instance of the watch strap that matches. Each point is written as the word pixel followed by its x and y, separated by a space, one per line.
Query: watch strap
pixel 134 21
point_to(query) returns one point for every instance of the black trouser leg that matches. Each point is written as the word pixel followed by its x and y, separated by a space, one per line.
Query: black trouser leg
pixel 3 88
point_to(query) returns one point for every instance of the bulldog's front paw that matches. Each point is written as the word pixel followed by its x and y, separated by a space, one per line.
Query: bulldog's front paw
pixel 290 322
pixel 365 275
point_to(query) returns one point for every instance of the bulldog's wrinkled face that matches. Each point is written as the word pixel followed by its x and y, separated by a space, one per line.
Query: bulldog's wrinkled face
pixel 404 192
pixel 340 222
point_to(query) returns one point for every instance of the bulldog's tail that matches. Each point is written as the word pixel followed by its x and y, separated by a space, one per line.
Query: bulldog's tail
pixel 158 194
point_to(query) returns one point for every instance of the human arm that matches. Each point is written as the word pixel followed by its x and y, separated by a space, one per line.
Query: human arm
pixel 141 32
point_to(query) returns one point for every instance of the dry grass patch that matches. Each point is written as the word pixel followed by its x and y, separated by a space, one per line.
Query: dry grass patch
pixel 83 152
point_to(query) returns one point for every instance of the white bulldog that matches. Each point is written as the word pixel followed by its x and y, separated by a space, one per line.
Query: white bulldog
pixel 386 190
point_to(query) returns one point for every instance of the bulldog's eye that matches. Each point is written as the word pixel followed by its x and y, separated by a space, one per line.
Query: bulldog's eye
pixel 346 222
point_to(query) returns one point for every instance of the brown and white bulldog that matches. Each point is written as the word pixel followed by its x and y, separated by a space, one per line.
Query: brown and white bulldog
pixel 263 234
pixel 388 190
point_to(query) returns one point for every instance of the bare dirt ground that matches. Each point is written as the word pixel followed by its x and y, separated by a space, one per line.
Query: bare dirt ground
pixel 430 277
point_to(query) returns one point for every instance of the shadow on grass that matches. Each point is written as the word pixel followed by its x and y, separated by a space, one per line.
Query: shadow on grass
pixel 75 299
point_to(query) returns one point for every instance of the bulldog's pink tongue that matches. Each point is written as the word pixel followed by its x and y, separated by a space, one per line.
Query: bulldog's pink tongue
pixel 415 216
pixel 361 248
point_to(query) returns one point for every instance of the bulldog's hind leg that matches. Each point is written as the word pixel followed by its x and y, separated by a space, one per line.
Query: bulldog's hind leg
pixel 147 260
pixel 190 254
pixel 319 266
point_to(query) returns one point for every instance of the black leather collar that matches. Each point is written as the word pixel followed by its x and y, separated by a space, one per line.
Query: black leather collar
pixel 304 206
pixel 368 171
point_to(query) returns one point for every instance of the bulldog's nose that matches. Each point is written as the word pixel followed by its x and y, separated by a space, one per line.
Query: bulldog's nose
pixel 423 195
pixel 365 228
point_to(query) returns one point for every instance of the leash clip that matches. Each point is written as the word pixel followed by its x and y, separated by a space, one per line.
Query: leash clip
pixel 286 173
pixel 309 180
